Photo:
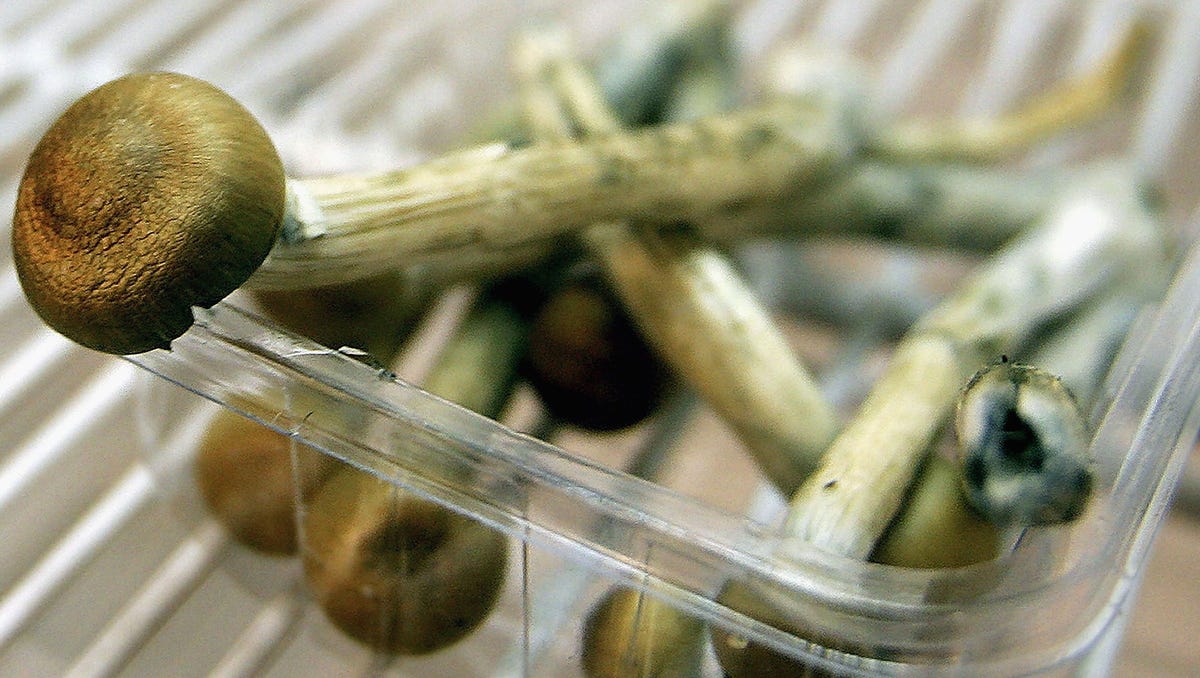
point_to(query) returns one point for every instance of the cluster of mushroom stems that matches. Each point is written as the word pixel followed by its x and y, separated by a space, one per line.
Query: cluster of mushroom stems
pixel 605 281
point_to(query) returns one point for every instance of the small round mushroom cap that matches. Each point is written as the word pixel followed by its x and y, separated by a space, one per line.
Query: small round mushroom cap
pixel 588 363
pixel 631 634
pixel 153 193
pixel 395 571
pixel 249 483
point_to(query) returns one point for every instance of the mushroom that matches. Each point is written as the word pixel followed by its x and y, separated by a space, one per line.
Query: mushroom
pixel 156 192
pixel 629 633
pixel 153 193
pixel 395 570
pixel 250 483
pixel 1099 232
pixel 587 362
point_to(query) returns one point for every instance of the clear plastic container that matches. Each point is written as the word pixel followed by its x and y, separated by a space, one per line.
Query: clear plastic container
pixel 116 568
pixel 579 529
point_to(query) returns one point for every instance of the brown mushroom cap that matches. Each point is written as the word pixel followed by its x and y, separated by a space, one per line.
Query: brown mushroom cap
pixel 247 479
pixel 631 634
pixel 153 193
pixel 396 571
pixel 588 363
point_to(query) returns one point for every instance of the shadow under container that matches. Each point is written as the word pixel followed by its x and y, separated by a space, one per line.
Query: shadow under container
pixel 575 530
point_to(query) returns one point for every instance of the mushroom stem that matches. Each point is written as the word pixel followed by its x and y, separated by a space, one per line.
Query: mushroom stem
pixel 1067 104
pixel 688 300
pixel 1081 351
pixel 90 251
pixel 477 368
pixel 1022 446
pixel 933 182
pixel 950 205
pixel 463 211
pixel 628 632
pixel 1096 236
pixel 938 506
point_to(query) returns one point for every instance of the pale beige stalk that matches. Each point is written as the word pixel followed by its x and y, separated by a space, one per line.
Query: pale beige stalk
pixel 630 633
pixel 1099 235
pixel 688 299
pixel 466 209
pixel 1066 105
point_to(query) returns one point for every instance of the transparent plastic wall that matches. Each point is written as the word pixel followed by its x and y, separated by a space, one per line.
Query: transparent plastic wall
pixel 110 565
